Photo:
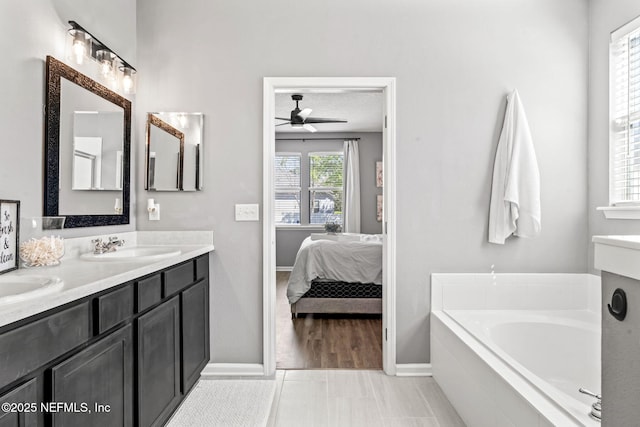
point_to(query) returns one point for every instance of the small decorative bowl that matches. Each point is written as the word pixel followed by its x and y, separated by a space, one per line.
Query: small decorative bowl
pixel 42 252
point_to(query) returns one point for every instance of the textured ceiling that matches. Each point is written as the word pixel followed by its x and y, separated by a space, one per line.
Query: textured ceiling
pixel 362 110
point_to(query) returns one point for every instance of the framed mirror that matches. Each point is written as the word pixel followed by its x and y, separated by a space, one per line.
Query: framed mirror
pixel 174 152
pixel 87 150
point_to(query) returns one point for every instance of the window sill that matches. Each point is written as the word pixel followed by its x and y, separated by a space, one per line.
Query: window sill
pixel 300 227
pixel 620 212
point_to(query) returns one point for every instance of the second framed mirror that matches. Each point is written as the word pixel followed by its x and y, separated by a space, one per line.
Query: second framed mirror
pixel 174 156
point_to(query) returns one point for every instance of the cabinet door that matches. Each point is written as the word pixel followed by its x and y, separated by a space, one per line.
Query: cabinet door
pixel 98 382
pixel 158 363
pixel 195 333
pixel 26 393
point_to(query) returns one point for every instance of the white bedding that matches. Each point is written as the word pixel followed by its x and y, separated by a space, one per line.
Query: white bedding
pixel 345 261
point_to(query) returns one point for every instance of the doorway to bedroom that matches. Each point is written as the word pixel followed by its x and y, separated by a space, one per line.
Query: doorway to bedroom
pixel 328 267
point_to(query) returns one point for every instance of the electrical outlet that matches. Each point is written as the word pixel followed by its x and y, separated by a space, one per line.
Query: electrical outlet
pixel 250 212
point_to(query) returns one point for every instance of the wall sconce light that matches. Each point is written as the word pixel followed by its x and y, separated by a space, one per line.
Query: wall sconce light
pixel 83 44
pixel 105 59
pixel 128 82
pixel 80 44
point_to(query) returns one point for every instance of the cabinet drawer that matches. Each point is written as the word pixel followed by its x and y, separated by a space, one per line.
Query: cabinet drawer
pixel 113 308
pixel 178 278
pixel 30 346
pixel 202 267
pixel 148 292
pixel 26 393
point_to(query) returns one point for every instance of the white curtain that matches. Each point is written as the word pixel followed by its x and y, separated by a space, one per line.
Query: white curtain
pixel 351 187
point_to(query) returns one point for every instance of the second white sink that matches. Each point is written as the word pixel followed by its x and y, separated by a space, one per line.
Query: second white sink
pixel 15 288
pixel 137 253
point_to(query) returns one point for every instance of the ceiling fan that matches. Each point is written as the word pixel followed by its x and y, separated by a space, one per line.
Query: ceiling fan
pixel 300 118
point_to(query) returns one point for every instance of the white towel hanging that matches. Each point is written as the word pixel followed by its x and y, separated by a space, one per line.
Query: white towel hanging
pixel 515 191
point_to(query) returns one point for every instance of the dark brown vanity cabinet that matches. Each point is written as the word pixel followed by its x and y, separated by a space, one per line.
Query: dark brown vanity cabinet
pixel 158 363
pixel 20 416
pixel 194 303
pixel 126 356
pixel 98 382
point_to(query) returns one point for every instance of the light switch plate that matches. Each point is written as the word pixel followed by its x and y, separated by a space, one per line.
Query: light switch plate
pixel 248 212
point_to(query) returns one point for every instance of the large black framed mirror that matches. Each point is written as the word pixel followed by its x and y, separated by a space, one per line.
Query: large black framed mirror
pixel 87 150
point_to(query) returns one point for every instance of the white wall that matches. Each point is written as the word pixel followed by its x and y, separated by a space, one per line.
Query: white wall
pixel 31 30
pixel 606 16
pixel 454 61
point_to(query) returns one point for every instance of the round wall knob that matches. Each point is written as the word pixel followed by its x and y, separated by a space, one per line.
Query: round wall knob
pixel 618 306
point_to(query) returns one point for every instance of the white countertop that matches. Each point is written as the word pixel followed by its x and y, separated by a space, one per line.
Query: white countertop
pixel 618 255
pixel 631 242
pixel 82 278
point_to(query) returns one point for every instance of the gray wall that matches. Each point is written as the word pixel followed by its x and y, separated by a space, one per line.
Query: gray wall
pixel 454 61
pixel 606 16
pixel 370 147
pixel 31 30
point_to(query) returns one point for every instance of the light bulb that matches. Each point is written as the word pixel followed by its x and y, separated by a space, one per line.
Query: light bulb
pixel 127 83
pixel 79 50
pixel 105 58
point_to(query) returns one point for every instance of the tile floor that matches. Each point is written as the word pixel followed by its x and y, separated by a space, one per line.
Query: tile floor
pixel 358 398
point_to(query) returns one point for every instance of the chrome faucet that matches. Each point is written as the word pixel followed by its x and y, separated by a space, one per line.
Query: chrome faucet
pixel 596 408
pixel 100 247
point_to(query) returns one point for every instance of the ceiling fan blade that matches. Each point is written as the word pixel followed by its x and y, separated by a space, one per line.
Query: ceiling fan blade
pixel 305 113
pixel 309 128
pixel 323 120
pixel 284 118
pixel 282 124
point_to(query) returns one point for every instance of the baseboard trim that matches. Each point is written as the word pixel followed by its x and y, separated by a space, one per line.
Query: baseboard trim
pixel 281 268
pixel 414 370
pixel 233 370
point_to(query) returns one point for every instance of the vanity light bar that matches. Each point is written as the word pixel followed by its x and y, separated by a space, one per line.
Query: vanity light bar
pixel 86 44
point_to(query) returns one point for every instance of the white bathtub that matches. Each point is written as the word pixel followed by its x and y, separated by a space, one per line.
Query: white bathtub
pixel 514 349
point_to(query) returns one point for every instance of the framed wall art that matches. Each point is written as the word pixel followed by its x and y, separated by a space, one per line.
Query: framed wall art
pixel 9 234
pixel 379 175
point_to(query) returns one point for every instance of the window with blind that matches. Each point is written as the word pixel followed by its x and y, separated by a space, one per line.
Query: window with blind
pixel 287 188
pixel 624 160
pixel 325 187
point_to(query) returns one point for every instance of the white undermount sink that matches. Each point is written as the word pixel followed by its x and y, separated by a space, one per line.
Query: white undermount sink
pixel 21 288
pixel 133 254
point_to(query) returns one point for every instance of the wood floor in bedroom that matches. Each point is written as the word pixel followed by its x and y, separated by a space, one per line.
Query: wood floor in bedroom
pixel 325 341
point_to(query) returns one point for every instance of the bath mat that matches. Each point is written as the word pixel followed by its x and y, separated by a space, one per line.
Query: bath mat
pixel 226 403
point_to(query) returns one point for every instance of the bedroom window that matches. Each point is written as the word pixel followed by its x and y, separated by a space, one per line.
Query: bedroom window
pixel 287 188
pixel 325 187
pixel 624 140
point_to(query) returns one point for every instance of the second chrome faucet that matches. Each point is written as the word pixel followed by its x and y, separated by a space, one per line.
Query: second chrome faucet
pixel 101 247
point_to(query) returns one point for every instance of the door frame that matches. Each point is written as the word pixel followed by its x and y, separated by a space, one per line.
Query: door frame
pixel 388 87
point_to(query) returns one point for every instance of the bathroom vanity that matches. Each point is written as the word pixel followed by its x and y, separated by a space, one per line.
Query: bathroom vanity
pixel 124 355
pixel 619 259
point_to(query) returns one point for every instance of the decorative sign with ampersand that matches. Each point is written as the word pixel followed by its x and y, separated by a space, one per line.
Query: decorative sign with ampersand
pixel 9 234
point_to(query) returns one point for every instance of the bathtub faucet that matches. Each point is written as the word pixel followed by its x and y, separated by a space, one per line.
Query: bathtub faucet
pixel 596 408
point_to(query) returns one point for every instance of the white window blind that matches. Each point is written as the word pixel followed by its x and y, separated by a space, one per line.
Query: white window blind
pixel 624 159
pixel 287 188
pixel 326 187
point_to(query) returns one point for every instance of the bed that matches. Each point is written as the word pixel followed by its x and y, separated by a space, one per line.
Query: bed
pixel 337 274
